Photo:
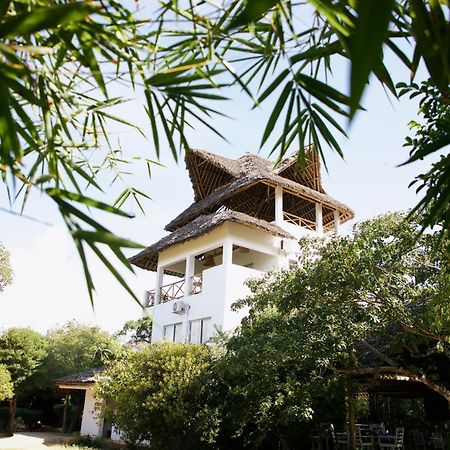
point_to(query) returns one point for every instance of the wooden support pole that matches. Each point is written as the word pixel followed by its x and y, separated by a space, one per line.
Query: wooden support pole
pixel 319 219
pixel 351 423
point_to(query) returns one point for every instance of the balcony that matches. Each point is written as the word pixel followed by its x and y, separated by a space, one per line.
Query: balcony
pixel 174 291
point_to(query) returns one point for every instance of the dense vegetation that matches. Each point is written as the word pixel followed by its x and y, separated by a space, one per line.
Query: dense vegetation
pixel 355 309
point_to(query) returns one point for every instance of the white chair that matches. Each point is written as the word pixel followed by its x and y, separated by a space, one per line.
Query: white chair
pixel 438 441
pixel 396 441
pixel 364 441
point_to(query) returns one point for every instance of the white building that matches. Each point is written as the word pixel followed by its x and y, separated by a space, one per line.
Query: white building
pixel 246 219
pixel 91 423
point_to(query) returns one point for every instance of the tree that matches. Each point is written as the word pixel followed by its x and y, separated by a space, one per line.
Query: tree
pixel 357 307
pixel 6 387
pixel 137 331
pixel 428 137
pixel 22 351
pixel 56 54
pixel 6 273
pixel 156 395
pixel 76 347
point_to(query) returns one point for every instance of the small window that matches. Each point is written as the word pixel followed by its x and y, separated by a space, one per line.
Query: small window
pixel 173 332
pixel 199 331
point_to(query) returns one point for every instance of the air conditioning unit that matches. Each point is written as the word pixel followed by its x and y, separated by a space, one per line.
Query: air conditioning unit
pixel 180 307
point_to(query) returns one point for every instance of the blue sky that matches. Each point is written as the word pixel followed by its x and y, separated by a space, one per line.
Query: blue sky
pixel 49 288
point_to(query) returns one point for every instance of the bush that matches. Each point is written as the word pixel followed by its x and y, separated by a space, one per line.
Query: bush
pixel 30 417
pixel 157 396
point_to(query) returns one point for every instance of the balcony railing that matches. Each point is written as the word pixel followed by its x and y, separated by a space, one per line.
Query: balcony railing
pixel 149 298
pixel 173 291
pixel 196 284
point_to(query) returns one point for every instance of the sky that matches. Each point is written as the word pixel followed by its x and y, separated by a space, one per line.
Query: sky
pixel 49 288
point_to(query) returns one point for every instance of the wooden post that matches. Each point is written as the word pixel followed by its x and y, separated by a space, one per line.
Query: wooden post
pixel 319 219
pixel 351 423
pixel 65 412
pixel 337 222
pixel 278 204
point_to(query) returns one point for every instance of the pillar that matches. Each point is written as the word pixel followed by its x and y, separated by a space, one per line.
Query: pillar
pixel 189 273
pixel 159 281
pixel 278 205
pixel 319 219
pixel 337 222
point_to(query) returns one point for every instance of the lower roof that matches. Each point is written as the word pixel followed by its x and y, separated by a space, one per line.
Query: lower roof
pixel 148 258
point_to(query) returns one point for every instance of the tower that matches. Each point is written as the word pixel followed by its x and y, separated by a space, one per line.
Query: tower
pixel 246 220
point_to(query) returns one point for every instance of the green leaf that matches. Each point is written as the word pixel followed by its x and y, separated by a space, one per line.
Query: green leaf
pixel 366 42
pixel 105 237
pixel 253 10
pixel 45 18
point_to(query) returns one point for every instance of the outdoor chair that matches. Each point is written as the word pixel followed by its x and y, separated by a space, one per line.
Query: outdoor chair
pixel 341 440
pixel 396 442
pixel 418 440
pixel 438 441
pixel 364 441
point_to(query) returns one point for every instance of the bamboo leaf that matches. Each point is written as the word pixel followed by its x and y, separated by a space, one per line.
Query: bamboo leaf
pixel 366 43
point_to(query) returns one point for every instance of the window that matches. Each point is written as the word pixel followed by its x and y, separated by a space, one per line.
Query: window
pixel 199 330
pixel 173 332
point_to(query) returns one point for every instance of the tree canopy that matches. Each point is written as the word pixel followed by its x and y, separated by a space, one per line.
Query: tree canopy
pixel 6 387
pixel 158 389
pixel 6 274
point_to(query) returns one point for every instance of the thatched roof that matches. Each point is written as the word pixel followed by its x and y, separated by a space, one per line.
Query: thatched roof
pixel 148 258
pixel 247 185
pixel 85 377
pixel 209 171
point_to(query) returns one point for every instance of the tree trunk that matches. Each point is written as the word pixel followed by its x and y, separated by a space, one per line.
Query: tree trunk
pixel 351 423
pixel 12 416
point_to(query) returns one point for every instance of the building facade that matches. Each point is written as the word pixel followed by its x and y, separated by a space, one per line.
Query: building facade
pixel 246 220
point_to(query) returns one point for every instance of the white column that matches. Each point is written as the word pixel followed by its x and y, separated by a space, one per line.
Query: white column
pixel 188 275
pixel 159 281
pixel 227 253
pixel 278 204
pixel 319 219
pixel 337 222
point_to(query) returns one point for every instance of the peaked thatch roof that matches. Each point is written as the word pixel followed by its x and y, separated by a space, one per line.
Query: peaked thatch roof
pixel 209 171
pixel 244 185
pixel 148 258
pixel 85 377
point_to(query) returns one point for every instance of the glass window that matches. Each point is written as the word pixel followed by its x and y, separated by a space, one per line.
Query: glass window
pixel 199 330
pixel 173 332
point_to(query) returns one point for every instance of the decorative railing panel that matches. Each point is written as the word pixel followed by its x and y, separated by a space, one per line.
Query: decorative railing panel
pixel 196 284
pixel 301 221
pixel 172 291
pixel 149 299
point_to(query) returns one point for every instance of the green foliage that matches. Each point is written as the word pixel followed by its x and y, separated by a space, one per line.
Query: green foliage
pixel 375 302
pixel 75 347
pixel 62 60
pixel 429 137
pixel 156 394
pixel 6 274
pixel 22 352
pixel 6 386
pixel 137 331
pixel 30 417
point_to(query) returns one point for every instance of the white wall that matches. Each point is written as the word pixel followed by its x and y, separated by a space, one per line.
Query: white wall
pixel 223 284
pixel 90 425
